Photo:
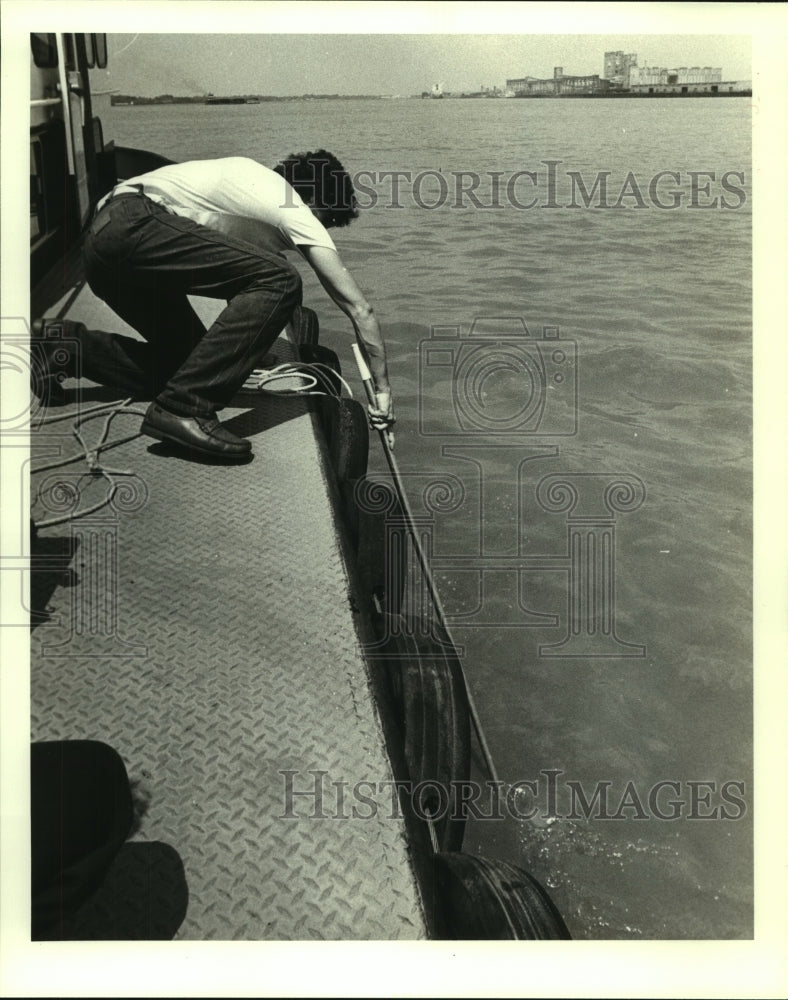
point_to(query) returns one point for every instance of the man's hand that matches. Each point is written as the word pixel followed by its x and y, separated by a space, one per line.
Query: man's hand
pixel 381 417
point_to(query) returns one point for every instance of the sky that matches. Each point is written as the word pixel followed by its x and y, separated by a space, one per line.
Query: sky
pixel 385 63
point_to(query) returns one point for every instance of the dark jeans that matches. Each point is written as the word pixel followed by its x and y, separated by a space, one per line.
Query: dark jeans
pixel 143 261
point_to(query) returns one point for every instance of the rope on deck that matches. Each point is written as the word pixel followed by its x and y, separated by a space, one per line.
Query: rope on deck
pixel 91 455
pixel 317 381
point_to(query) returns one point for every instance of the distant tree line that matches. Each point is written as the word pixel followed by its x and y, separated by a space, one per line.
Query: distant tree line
pixel 172 99
pixel 160 99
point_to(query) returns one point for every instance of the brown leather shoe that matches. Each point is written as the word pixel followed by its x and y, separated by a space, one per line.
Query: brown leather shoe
pixel 201 434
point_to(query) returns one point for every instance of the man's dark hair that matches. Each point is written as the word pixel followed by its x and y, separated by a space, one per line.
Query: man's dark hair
pixel 322 182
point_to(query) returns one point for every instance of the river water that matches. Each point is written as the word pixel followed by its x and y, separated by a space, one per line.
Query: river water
pixel 630 751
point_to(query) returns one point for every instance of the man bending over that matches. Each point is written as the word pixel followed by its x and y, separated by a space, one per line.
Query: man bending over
pixel 216 228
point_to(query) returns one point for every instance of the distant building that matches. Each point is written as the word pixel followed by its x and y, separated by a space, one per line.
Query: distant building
pixel 651 76
pixel 618 68
pixel 624 78
pixel 739 88
pixel 530 86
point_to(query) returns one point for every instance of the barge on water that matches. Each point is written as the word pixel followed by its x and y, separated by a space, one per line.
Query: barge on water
pixel 232 100
pixel 252 645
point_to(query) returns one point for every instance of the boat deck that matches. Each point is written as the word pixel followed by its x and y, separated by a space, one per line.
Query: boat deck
pixel 203 625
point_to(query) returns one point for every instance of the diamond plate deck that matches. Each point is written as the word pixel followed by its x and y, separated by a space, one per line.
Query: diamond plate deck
pixel 203 627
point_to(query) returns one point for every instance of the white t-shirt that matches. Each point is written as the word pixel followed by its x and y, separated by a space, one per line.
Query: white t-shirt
pixel 239 197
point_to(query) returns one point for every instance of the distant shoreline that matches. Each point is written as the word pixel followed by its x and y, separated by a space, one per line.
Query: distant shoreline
pixel 211 101
pixel 129 100
pixel 623 96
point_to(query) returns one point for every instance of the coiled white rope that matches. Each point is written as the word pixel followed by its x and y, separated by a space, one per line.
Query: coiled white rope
pixel 313 374
pixel 318 380
pixel 91 455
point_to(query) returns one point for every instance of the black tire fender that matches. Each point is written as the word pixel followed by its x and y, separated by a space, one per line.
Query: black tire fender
pixel 316 354
pixel 306 328
pixel 427 681
pixel 493 901
pixel 346 433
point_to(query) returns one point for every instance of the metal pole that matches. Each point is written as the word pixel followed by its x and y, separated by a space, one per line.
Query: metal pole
pixel 366 378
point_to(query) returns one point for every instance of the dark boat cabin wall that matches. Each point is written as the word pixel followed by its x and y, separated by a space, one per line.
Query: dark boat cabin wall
pixel 70 166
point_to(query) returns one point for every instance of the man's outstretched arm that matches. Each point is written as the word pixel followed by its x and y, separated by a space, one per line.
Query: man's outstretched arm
pixel 342 287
